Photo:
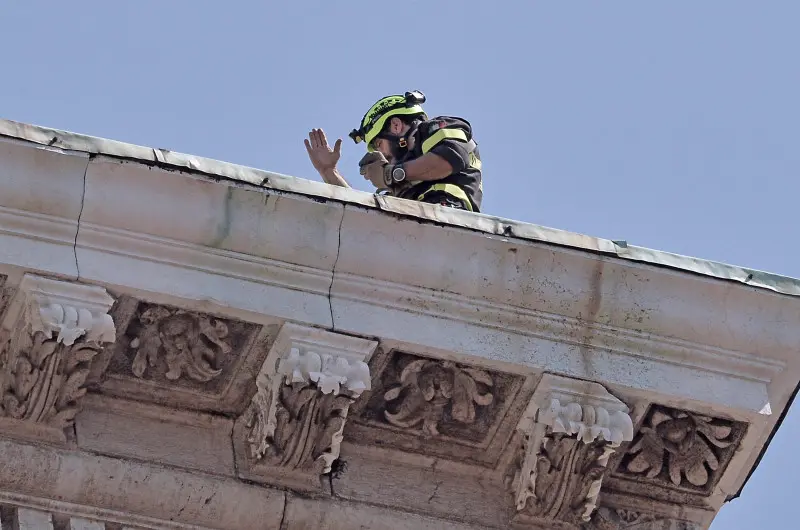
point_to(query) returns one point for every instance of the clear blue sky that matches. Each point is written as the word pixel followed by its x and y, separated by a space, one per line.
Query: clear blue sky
pixel 673 125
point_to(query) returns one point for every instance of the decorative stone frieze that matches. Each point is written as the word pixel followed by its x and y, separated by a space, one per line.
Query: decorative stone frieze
pixel 181 357
pixel 292 431
pixel 429 389
pixel 441 408
pixel 568 433
pixel 682 450
pixel 51 333
pixel 618 519
pixel 175 343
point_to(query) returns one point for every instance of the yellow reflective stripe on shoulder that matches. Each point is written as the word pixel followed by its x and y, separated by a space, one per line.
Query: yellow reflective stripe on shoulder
pixel 450 189
pixel 440 135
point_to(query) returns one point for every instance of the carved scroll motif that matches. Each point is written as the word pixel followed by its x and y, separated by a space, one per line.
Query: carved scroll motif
pixel 48 347
pixel 570 432
pixel 296 419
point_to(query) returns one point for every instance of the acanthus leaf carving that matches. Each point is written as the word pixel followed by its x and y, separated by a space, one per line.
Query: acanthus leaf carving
pixel 304 391
pixel 681 449
pixel 190 344
pixel 427 387
pixel 569 433
pixel 308 429
pixel 52 332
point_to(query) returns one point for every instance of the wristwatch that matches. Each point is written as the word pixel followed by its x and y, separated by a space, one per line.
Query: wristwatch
pixel 394 174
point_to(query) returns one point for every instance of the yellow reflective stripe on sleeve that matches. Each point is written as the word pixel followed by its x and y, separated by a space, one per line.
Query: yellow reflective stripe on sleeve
pixel 475 162
pixel 450 189
pixel 440 135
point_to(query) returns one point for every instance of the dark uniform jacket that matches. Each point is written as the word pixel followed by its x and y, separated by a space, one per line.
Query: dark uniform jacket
pixel 450 138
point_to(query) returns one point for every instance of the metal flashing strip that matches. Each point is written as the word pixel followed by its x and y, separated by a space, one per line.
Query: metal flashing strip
pixel 496 226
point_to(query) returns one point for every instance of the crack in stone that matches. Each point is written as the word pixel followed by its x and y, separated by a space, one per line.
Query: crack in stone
pixel 435 491
pixel 283 525
pixel 233 451
pixel 210 498
pixel 80 215
pixel 333 271
pixel 185 504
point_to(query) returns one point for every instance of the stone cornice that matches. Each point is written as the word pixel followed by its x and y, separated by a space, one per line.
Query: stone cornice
pixel 257 249
pixel 586 303
pixel 69 143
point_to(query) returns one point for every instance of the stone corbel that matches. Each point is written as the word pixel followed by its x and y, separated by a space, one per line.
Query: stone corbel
pixel 49 336
pixel 569 431
pixel 292 431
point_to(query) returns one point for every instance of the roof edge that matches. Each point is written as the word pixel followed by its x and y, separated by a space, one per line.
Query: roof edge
pixel 497 226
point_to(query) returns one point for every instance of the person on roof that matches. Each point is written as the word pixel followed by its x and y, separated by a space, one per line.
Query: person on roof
pixel 409 155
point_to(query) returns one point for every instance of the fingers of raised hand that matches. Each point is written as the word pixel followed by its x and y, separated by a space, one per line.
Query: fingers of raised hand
pixel 313 136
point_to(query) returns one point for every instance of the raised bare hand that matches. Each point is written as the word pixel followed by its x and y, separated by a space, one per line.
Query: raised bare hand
pixel 322 156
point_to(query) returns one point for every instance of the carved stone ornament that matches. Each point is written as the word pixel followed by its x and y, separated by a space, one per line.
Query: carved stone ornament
pixel 618 519
pixel 682 449
pixel 428 388
pixel 189 343
pixel 52 331
pixel 304 391
pixel 569 432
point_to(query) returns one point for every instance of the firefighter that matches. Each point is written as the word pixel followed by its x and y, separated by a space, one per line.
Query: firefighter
pixel 409 155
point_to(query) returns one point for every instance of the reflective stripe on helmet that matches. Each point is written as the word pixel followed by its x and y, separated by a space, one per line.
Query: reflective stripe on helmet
pixel 375 129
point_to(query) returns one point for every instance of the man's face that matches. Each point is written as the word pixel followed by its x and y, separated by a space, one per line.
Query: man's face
pixel 395 127
pixel 382 146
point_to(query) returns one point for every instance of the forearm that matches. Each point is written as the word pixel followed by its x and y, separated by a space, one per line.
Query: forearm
pixel 335 178
pixel 429 166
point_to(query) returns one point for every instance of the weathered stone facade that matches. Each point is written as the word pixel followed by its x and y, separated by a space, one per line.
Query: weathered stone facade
pixel 191 344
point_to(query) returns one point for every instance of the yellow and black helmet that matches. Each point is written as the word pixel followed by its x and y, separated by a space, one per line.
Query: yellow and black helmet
pixel 373 122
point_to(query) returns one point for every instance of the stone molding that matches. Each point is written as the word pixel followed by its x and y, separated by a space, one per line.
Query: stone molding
pixel 51 333
pixel 272 261
pixel 132 493
pixel 41 195
pixel 31 519
pixel 292 431
pixel 618 519
pixel 362 303
pixel 569 431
